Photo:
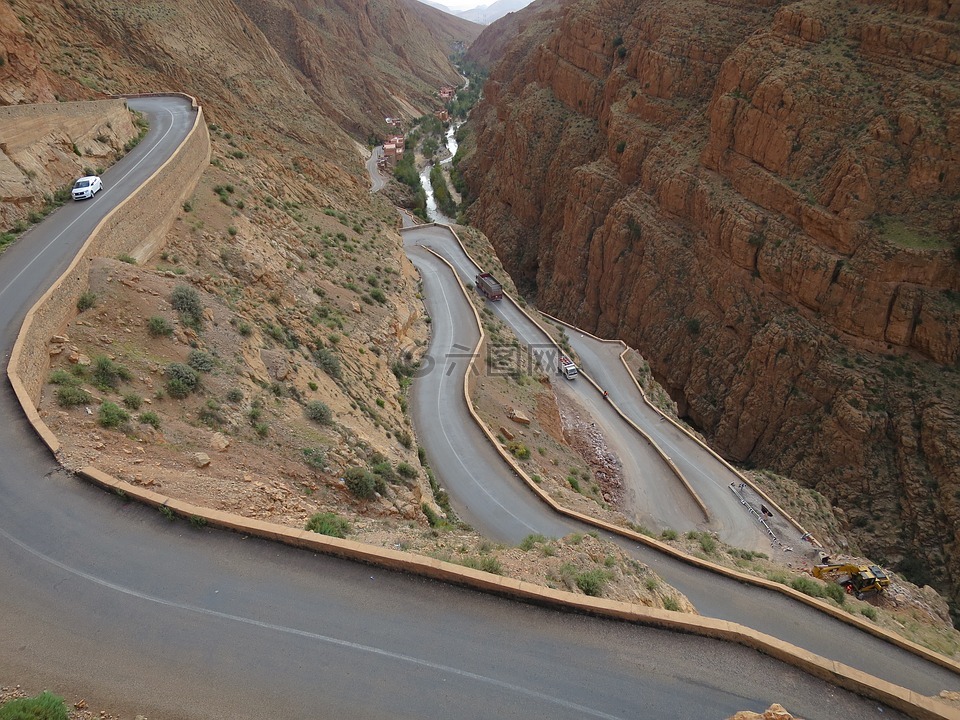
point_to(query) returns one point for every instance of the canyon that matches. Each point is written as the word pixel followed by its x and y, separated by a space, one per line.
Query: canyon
pixel 762 198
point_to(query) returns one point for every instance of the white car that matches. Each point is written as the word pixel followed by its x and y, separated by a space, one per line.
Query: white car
pixel 87 187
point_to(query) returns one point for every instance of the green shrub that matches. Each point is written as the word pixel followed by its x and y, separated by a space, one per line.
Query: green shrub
pixel 591 582
pixel 669 534
pixel 112 415
pixel 530 541
pixel 836 593
pixel 670 603
pixel 235 395
pixel 377 294
pixel 432 518
pixel 486 563
pixel 870 612
pixel 44 706
pixel 132 401
pixel 320 412
pixel 328 523
pixel 707 543
pixel 70 395
pixel 129 259
pixel 181 380
pixel 150 418
pixel 158 327
pixel 200 361
pixel 107 374
pixel 186 301
pixel 407 470
pixel 210 414
pixel 315 458
pixel 362 483
pixel 519 450
pixel 808 586
pixel 86 301
pixel 384 470
pixel 327 361
pixel 62 377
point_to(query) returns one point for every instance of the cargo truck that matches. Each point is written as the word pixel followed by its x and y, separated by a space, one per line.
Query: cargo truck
pixel 566 367
pixel 489 287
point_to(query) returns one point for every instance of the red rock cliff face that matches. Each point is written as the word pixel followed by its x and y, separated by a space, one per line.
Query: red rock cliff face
pixel 762 197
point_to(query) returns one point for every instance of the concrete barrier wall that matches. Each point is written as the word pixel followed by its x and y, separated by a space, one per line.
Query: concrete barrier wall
pixel 82 109
pixel 136 227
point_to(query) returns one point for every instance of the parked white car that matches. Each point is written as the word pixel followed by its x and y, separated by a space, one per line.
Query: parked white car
pixel 87 187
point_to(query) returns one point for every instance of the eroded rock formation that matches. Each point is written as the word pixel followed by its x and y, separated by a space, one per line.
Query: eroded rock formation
pixel 762 197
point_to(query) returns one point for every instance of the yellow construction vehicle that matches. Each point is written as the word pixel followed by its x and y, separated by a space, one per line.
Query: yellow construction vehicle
pixel 859 580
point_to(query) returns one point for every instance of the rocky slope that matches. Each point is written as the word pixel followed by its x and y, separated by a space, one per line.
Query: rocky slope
pixel 339 49
pixel 494 41
pixel 761 197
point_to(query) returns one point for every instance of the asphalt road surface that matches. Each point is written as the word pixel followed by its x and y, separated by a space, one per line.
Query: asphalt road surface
pixel 109 601
pixel 377 180
pixel 654 495
pixel 708 476
pixel 713 595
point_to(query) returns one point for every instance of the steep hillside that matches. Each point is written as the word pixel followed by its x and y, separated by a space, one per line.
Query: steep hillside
pixel 761 197
pixel 535 22
pixel 364 61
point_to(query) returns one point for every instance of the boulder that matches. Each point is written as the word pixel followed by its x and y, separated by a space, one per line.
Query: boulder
pixel 518 417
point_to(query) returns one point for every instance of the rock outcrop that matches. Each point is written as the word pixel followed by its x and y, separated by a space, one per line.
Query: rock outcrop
pixel 761 197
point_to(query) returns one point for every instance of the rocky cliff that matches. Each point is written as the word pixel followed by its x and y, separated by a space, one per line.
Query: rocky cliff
pixel 761 197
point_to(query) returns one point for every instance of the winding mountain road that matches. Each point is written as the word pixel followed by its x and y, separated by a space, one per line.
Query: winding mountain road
pixel 713 595
pixel 107 600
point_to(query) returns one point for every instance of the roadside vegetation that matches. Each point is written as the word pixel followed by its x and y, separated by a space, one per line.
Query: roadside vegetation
pixel 45 706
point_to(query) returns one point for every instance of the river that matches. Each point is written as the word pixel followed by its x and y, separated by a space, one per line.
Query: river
pixel 432 211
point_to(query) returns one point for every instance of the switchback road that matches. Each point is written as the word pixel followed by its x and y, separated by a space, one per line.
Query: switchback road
pixel 512 517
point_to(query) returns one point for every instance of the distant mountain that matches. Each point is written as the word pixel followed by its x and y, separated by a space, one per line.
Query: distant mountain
pixel 534 22
pixel 482 14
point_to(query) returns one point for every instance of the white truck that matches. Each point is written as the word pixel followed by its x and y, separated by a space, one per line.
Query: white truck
pixel 566 367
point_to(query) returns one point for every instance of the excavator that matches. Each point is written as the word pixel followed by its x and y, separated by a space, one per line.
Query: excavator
pixel 858 580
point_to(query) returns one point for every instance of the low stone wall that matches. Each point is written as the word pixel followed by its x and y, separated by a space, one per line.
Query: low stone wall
pixel 136 227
